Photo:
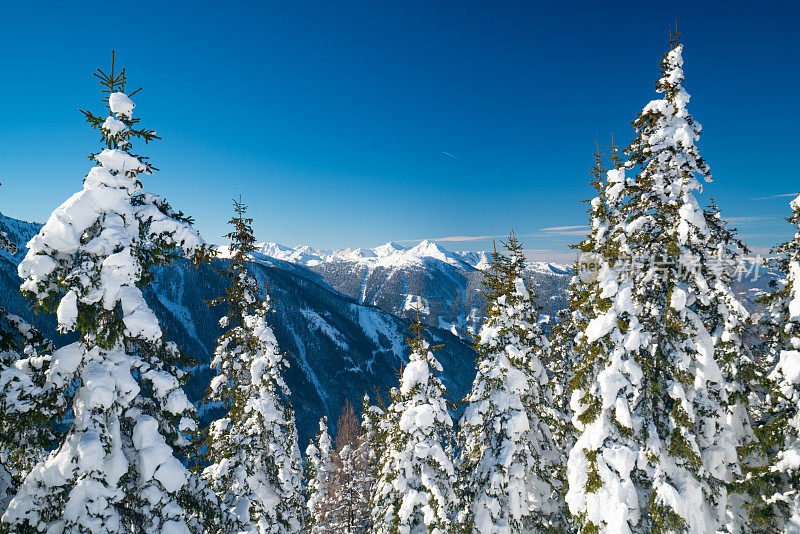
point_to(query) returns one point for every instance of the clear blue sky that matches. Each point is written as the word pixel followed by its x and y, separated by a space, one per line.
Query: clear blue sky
pixel 350 123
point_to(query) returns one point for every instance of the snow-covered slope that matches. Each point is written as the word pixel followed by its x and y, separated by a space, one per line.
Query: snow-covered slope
pixel 393 277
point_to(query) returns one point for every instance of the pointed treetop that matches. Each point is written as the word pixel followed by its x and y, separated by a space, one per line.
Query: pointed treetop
pixel 243 295
pixel 113 81
pixel 614 154
pixel 242 238
pixel 674 36
pixel 598 169
pixel 417 341
pixel 117 129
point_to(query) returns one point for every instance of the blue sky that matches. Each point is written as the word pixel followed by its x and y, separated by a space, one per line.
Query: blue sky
pixel 349 123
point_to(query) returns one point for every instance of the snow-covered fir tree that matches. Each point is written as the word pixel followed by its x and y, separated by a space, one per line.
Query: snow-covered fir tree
pixel 375 423
pixel 659 426
pixel 594 484
pixel 559 360
pixel 562 357
pixel 29 406
pixel 352 480
pixel 116 470
pixel 509 458
pixel 414 490
pixel 725 317
pixel 319 475
pixel 252 450
pixel 776 482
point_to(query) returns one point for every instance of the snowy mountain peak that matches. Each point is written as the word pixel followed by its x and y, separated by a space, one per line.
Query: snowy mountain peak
pixel 429 249
pixel 389 249
pixel 390 255
pixel 359 253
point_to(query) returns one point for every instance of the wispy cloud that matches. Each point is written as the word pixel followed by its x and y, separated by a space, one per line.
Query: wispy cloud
pixel 565 230
pixel 449 155
pixel 554 231
pixel 454 238
pixel 783 195
pixel 559 228
pixel 764 235
pixel 466 238
pixel 753 219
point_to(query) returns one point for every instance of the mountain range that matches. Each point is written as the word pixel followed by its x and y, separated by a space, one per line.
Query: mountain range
pixel 447 285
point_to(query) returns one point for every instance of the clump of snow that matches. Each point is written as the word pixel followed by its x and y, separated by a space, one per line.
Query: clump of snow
pixel 121 104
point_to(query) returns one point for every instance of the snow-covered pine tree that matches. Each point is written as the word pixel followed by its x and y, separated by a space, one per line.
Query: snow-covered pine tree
pixel 375 424
pixel 728 321
pixel 659 435
pixel 116 470
pixel 319 455
pixel 372 447
pixel 414 490
pixel 776 506
pixel 562 357
pixel 253 453
pixel 508 456
pixel 601 493
pixel 559 360
pixel 350 498
pixel 29 406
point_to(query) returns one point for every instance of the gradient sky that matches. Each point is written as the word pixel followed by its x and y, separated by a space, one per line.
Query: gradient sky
pixel 351 123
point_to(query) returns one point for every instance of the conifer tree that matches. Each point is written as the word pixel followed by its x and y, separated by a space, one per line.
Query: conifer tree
pixel 560 362
pixel 29 405
pixel 252 451
pixel 509 457
pixel 319 476
pixel 375 423
pixel 563 360
pixel 352 481
pixel 775 482
pixel 116 470
pixel 414 490
pixel 652 400
pixel 601 493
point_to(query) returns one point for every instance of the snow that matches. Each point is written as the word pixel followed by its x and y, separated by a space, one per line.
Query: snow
pixel 113 126
pixel 67 311
pixel 320 324
pixel 119 161
pixel 388 255
pixel 155 456
pixel 789 366
pixel 600 326
pixel 415 373
pixel 794 303
pixel 121 104
pixel 678 299
pixel 417 417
